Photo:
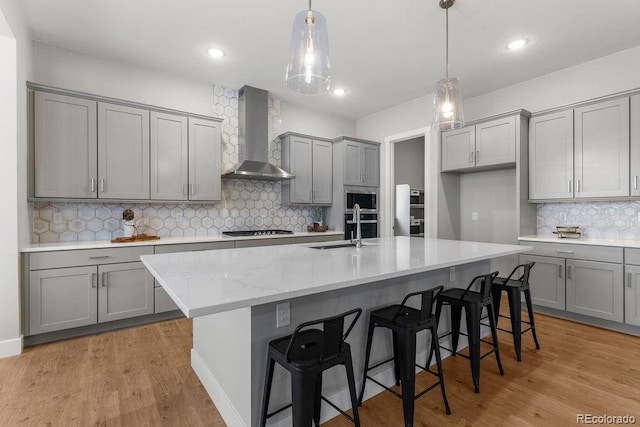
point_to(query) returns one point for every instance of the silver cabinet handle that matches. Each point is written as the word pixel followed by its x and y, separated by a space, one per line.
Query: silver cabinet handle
pixel 93 185
pixel 104 279
pixel 559 271
pixel 578 189
pixel 92 281
pixel 629 280
pixel 564 251
pixel 569 187
pixel 569 272
pixel 99 257
pixel 102 185
pixel 477 156
pixel 471 157
pixel 635 182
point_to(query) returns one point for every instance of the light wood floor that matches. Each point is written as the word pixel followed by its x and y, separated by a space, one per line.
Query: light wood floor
pixel 142 376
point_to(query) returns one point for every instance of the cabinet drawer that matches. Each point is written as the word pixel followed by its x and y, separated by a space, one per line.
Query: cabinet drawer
pixel 163 301
pixel 632 256
pixel 191 247
pixel 41 260
pixel 573 251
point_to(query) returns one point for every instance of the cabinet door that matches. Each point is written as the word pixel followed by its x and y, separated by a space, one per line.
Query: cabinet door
pixel 595 289
pixel 551 156
pixel 125 290
pixel 62 298
pixel 370 165
pixel 635 145
pixel 322 172
pixel 169 157
pixel 123 152
pixel 65 152
pixel 352 163
pixel 602 149
pixel 301 165
pixel 458 149
pixel 632 295
pixel 547 280
pixel 496 142
pixel 204 160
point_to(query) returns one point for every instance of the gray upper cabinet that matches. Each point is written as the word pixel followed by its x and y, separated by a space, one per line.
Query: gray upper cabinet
pixel 310 160
pixel 65 146
pixel 602 149
pixel 484 145
pixel 169 157
pixel 551 156
pixel 123 152
pixel 635 145
pixel 204 160
pixel 361 163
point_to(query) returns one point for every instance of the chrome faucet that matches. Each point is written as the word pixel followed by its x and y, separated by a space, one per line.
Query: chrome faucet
pixel 356 218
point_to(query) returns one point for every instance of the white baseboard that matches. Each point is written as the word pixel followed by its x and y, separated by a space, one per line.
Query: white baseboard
pixel 221 400
pixel 11 347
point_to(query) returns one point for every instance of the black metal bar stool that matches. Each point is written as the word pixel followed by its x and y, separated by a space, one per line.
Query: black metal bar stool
pixel 473 303
pixel 306 355
pixel 405 323
pixel 513 287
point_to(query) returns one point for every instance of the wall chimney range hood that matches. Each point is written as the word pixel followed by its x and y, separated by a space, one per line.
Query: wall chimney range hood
pixel 253 139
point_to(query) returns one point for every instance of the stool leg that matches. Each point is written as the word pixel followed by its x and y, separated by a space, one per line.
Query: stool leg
pixel 267 390
pixel 473 313
pixel 494 337
pixel 317 400
pixel 396 358
pixel 456 315
pixel 348 365
pixel 366 360
pixel 496 294
pixel 407 350
pixel 434 345
pixel 515 311
pixel 437 337
pixel 303 388
pixel 527 297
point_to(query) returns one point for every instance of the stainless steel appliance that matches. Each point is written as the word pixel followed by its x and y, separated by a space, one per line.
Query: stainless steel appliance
pixel 368 225
pixel 255 232
pixel 368 200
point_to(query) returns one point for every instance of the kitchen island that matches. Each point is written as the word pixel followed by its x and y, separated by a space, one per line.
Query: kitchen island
pixel 232 296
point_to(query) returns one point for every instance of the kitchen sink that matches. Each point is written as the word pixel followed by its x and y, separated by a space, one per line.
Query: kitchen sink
pixel 341 245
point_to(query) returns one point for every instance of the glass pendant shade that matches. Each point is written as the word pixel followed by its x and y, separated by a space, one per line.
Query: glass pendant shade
pixel 309 69
pixel 447 109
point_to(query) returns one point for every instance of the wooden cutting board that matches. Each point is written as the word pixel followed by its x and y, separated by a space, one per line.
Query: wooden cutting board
pixel 141 238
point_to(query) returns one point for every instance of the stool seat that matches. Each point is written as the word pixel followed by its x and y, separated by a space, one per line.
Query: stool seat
pixel 405 322
pixel 306 354
pixel 458 295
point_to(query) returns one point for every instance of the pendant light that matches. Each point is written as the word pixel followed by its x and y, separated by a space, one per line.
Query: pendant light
pixel 447 110
pixel 309 69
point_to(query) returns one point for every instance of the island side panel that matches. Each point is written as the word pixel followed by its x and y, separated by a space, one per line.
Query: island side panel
pixel 367 296
pixel 221 357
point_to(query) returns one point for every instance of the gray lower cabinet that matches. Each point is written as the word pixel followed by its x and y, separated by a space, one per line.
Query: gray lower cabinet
pixel 595 289
pixel 250 243
pixel 632 286
pixel 125 290
pixel 547 280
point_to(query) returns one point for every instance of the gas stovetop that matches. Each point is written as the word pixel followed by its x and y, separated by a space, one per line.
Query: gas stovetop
pixel 255 233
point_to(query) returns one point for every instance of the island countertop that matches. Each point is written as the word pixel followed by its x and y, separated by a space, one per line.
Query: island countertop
pixel 208 282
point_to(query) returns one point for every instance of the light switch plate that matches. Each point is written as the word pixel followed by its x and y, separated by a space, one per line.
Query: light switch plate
pixel 474 216
pixel 283 314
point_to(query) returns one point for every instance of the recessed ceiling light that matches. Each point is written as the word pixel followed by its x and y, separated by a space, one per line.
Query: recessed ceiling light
pixel 215 52
pixel 339 91
pixel 517 44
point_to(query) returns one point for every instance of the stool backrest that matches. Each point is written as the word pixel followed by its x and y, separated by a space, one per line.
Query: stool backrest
pixel 526 271
pixel 334 333
pixel 485 281
pixel 426 302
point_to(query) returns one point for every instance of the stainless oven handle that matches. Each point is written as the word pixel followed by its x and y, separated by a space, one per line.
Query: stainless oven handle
pixel 365 221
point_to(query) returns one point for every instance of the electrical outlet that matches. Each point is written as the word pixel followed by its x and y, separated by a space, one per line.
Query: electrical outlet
pixel 283 314
pixel 178 216
pixel 57 218
pixel 563 216
pixel 452 274
pixel 474 216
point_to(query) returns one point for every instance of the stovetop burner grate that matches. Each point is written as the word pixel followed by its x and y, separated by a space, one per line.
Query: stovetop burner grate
pixel 255 233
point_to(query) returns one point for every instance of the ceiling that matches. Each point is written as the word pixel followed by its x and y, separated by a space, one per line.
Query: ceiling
pixel 383 52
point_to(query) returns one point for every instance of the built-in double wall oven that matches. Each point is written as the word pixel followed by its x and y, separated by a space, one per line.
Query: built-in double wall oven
pixel 368 202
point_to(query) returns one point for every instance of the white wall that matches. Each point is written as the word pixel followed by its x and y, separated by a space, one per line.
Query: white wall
pixel 301 120
pixel 15 57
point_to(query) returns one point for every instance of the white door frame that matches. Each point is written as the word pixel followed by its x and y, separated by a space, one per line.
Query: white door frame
pixel 387 182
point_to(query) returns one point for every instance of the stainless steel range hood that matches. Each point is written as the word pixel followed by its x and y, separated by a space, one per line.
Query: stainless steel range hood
pixel 253 139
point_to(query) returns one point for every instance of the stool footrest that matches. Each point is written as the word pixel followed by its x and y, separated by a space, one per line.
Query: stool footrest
pixel 338 409
pixel 271 414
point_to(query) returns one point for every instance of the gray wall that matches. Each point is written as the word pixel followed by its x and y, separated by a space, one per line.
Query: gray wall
pixel 409 162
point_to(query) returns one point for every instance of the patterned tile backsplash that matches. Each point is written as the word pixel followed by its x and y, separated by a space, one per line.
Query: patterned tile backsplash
pixel 245 204
pixel 605 220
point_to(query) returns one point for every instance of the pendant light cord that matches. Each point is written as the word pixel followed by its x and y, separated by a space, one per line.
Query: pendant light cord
pixel 447 43
pixel 310 5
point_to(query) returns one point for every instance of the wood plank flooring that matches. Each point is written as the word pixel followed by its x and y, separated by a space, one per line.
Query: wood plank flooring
pixel 142 377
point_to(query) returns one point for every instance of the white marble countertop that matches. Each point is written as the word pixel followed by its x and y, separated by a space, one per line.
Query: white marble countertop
pixel 582 241
pixel 208 282
pixel 101 244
